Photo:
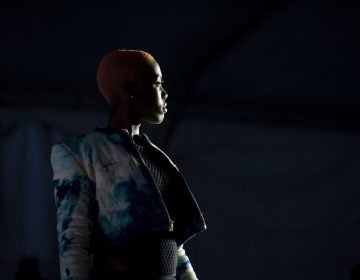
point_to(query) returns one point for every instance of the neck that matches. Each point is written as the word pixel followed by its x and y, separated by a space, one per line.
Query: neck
pixel 119 119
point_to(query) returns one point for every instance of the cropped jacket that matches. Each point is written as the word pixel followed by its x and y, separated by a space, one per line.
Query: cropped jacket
pixel 105 195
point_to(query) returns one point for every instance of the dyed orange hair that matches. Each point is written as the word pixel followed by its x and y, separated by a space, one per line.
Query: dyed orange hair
pixel 118 67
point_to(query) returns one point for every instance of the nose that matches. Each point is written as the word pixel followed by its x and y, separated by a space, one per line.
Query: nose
pixel 165 94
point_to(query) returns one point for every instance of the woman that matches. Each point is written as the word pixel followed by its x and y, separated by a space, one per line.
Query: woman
pixel 124 210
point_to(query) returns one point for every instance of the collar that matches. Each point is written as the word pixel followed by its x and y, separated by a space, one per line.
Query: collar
pixel 142 137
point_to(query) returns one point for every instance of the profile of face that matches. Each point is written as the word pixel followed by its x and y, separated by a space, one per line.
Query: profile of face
pixel 149 96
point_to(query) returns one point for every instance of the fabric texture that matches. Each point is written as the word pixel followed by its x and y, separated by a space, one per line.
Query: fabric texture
pixel 164 251
pixel 105 195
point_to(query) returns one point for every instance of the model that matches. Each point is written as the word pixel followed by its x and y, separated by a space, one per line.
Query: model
pixel 124 210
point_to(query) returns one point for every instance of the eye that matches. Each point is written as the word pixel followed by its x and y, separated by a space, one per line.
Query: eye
pixel 157 84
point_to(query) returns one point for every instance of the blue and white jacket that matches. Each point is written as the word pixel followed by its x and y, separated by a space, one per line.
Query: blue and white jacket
pixel 105 195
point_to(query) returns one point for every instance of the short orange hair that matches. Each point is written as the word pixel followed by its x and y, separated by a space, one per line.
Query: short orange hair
pixel 118 67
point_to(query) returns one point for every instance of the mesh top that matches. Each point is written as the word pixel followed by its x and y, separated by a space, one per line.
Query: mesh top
pixel 163 249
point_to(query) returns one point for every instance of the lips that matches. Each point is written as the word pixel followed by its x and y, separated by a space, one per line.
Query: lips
pixel 164 107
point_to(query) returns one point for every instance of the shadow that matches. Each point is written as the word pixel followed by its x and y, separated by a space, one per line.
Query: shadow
pixel 28 269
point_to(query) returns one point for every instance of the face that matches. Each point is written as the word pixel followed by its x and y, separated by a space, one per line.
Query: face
pixel 150 98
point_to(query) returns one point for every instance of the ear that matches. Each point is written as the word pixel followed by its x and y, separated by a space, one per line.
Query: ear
pixel 130 88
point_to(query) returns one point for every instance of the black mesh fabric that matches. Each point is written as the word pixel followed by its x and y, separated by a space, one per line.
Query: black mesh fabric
pixel 158 173
pixel 161 250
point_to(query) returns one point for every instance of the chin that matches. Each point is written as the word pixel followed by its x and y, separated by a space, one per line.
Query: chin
pixel 156 120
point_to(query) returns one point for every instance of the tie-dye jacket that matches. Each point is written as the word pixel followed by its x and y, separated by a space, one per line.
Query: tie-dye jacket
pixel 105 195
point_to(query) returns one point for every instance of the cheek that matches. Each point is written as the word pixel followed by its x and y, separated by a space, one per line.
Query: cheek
pixel 149 100
pixel 154 98
pixel 147 105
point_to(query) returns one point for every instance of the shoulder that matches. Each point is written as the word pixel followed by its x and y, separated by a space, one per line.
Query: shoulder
pixel 74 145
pixel 82 147
pixel 91 147
pixel 75 152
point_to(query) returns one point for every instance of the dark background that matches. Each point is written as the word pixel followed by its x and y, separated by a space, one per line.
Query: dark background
pixel 263 120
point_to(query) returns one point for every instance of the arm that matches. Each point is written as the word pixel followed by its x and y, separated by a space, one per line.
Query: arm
pixel 74 197
pixel 184 269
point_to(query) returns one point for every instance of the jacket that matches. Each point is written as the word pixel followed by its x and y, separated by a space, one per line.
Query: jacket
pixel 105 195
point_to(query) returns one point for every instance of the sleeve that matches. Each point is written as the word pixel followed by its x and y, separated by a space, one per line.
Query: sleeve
pixel 184 269
pixel 74 198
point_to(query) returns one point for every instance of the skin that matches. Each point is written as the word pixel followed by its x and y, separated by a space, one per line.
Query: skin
pixel 138 101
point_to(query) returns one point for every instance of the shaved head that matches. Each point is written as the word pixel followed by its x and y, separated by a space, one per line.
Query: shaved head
pixel 119 67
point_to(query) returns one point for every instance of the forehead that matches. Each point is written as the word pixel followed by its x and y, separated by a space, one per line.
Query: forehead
pixel 151 72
